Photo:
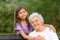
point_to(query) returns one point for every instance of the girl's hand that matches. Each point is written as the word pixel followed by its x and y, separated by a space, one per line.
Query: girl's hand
pixel 30 38
pixel 40 37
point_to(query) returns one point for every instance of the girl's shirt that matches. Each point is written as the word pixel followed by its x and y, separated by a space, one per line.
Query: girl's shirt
pixel 23 27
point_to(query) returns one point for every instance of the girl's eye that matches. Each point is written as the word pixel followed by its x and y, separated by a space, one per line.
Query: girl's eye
pixel 24 12
pixel 20 13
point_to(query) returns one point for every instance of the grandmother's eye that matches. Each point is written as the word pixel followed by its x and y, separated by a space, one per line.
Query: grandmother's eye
pixel 36 20
pixel 32 22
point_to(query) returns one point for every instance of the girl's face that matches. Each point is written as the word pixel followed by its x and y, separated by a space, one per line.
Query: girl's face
pixel 22 13
pixel 36 23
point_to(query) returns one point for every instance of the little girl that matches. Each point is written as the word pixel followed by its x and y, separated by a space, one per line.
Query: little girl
pixel 22 26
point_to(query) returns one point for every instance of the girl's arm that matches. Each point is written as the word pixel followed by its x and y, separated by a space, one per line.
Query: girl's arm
pixel 25 36
pixel 53 28
pixel 20 30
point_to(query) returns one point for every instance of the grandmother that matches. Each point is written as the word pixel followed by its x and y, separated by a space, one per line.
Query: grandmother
pixel 41 32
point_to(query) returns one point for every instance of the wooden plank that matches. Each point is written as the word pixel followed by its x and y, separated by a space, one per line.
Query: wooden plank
pixel 12 37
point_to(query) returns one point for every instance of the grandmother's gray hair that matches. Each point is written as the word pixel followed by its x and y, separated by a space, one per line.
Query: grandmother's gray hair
pixel 36 14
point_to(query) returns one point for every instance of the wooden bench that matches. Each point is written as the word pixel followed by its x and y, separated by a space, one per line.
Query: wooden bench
pixel 12 37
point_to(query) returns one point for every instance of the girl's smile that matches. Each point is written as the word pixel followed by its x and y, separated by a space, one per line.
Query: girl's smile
pixel 22 14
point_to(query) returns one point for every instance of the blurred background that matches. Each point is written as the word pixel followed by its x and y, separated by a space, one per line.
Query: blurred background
pixel 50 9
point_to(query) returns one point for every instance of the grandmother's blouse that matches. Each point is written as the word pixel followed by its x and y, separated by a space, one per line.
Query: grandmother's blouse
pixel 48 34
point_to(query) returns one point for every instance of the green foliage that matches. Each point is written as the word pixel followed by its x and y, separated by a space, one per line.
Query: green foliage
pixel 50 9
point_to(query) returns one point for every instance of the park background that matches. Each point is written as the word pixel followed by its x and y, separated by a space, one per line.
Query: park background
pixel 50 9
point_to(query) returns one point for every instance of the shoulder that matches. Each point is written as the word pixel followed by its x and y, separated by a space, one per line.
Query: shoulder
pixel 18 27
pixel 17 24
pixel 50 30
pixel 51 27
pixel 47 29
pixel 32 33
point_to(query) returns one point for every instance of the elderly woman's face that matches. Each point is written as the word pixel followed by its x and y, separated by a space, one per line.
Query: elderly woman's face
pixel 36 22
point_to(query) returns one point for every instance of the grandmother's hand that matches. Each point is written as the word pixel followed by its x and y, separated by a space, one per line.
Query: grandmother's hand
pixel 40 37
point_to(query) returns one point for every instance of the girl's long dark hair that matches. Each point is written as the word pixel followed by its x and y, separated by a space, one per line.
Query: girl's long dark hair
pixel 18 20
